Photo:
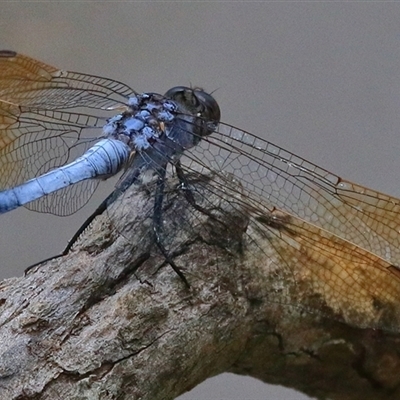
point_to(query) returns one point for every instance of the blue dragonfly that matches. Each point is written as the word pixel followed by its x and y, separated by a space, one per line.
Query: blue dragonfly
pixel 62 133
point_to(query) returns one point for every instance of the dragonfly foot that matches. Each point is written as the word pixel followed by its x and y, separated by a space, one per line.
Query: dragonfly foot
pixel 169 260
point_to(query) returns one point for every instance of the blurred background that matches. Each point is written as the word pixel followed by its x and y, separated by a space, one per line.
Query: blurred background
pixel 321 79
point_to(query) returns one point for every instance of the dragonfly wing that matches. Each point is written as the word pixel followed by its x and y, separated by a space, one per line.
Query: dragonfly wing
pixel 273 176
pixel 66 201
pixel 48 117
pixel 322 272
pixel 27 82
pixel 328 271
pixel 31 146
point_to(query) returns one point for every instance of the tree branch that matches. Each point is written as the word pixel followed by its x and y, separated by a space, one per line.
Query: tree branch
pixel 112 320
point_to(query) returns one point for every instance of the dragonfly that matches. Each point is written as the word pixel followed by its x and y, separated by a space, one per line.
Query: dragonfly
pixel 63 132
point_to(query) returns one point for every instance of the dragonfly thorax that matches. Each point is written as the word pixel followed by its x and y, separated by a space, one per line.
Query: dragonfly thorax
pixel 143 122
pixel 182 117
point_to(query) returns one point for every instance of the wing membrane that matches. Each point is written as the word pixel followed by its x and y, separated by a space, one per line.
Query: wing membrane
pixel 31 83
pixel 277 178
pixel 323 273
pixel 42 115
pixel 66 201
pixel 48 117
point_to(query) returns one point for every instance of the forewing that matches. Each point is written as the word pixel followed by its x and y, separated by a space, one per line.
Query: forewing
pixel 31 83
pixel 316 270
pixel 48 117
pixel 274 177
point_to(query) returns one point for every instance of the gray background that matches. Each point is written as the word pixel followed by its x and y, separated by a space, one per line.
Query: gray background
pixel 321 79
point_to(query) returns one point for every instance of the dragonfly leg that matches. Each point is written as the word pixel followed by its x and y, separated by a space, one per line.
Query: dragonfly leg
pixel 99 210
pixel 157 224
pixel 28 269
pixel 189 194
pixel 122 187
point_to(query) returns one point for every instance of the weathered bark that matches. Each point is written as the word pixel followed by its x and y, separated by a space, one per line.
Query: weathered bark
pixel 111 320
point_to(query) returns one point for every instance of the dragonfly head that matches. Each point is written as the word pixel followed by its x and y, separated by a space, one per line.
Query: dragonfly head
pixel 197 102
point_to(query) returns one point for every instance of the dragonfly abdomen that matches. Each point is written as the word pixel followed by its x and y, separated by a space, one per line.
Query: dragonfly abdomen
pixel 102 160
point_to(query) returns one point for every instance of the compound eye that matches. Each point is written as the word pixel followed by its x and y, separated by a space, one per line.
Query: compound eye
pixel 183 95
pixel 211 110
pixel 176 91
pixel 196 101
